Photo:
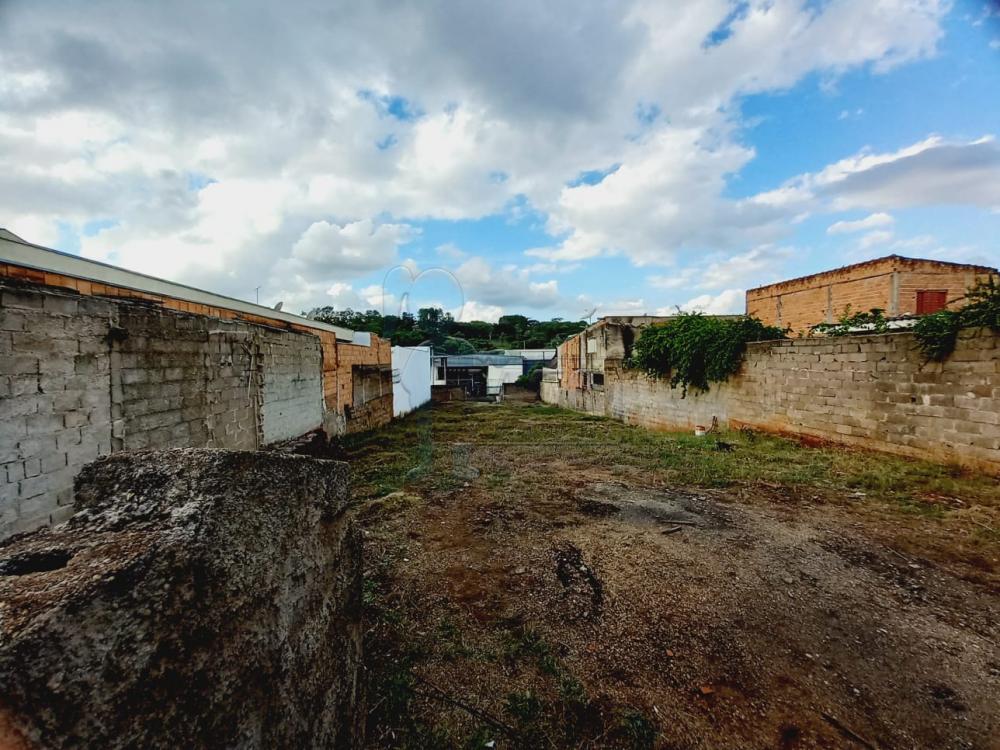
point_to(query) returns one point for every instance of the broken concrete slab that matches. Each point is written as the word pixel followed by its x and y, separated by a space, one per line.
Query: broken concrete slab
pixel 196 598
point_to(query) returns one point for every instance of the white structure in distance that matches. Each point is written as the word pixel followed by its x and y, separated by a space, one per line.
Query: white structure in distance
pixel 411 378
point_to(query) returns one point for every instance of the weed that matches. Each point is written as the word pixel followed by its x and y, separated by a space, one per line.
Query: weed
pixel 638 731
pixel 524 707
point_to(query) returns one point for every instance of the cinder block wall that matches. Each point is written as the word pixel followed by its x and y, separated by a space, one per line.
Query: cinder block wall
pixel 293 384
pixel 877 392
pixel 873 392
pixel 83 376
pixel 55 401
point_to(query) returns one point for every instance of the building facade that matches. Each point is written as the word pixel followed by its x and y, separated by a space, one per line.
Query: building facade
pixel 899 286
pixel 580 360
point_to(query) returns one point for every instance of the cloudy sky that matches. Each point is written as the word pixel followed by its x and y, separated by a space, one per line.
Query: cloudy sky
pixel 551 157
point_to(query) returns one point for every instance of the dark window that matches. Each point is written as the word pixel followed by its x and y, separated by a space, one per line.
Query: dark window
pixel 597 379
pixel 369 383
pixel 440 373
pixel 931 300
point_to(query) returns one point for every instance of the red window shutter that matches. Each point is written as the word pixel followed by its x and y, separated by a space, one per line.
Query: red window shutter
pixel 931 300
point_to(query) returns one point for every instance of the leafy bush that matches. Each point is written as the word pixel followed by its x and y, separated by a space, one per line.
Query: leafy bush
pixel 696 349
pixel 532 379
pixel 937 333
pixel 873 321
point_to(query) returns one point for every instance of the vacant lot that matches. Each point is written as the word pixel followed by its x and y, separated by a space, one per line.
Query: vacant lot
pixel 540 578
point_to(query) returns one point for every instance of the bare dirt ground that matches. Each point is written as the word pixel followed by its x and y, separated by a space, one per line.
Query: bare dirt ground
pixel 537 578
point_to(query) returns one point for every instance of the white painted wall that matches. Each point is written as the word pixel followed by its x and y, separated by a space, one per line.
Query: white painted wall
pixel 497 375
pixel 411 378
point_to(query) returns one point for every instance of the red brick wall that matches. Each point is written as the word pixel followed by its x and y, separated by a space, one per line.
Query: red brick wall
pixel 887 283
pixel 569 359
pixel 955 283
pixel 373 414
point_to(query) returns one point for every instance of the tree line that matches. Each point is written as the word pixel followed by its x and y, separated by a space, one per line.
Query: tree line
pixel 433 326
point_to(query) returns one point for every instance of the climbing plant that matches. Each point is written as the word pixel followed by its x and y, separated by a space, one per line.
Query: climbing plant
pixel 873 321
pixel 937 333
pixel 695 349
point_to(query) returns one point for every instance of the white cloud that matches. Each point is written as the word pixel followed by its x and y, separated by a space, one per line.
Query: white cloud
pixel 846 114
pixel 746 267
pixel 231 151
pixel 869 222
pixel 352 249
pixel 681 278
pixel 477 311
pixel 505 286
pixel 874 238
pixel 929 172
pixel 664 198
pixel 730 301
pixel 450 251
pixel 722 271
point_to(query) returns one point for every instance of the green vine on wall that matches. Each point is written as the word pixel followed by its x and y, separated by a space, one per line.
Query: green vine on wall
pixel 937 333
pixel 695 349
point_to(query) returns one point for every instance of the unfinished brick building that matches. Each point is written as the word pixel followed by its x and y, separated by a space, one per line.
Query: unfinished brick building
pixel 897 285
pixel 96 359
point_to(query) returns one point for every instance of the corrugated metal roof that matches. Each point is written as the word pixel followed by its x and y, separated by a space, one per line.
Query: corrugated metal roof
pixel 479 360
pixel 18 252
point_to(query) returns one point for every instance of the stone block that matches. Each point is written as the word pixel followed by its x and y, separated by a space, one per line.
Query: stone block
pixel 76 418
pixel 59 305
pixel 14 471
pixel 121 659
pixel 22 298
pixel 19 364
pixel 11 320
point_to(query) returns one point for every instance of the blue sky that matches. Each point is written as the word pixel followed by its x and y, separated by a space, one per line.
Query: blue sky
pixel 628 157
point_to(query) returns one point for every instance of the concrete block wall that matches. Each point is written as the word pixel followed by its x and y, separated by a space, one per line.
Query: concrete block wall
pixel 635 398
pixel 181 381
pixel 873 392
pixel 55 401
pixel 83 376
pixel 337 391
pixel 877 392
pixel 370 415
pixel 293 385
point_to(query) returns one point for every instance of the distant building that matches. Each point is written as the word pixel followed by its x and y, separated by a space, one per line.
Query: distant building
pixel 479 375
pixel 580 363
pixel 531 357
pixel 897 285
pixel 484 374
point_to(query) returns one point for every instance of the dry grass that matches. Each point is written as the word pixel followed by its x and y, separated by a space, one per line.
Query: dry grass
pixel 473 638
pixel 420 451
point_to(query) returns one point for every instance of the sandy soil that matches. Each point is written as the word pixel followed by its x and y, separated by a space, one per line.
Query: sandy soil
pixel 540 601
